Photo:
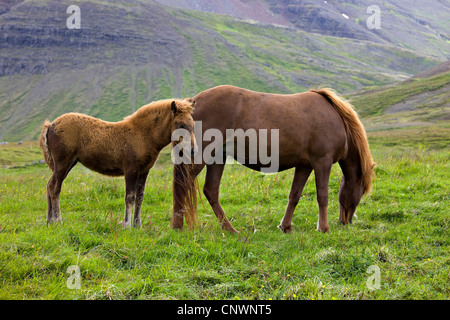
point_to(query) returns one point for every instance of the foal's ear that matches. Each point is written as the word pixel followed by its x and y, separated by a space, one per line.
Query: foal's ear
pixel 174 108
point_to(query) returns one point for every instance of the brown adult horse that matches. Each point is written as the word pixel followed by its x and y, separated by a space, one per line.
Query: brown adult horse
pixel 316 129
pixel 129 147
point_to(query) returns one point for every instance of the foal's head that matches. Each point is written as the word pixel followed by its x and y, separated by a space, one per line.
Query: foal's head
pixel 183 126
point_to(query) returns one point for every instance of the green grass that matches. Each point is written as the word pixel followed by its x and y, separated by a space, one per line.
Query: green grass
pixel 15 154
pixel 399 141
pixel 402 227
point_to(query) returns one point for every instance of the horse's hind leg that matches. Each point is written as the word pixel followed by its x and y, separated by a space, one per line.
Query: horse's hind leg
pixel 211 190
pixel 139 198
pixel 322 173
pixel 300 177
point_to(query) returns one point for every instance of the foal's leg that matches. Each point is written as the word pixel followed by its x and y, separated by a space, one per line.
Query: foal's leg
pixel 131 178
pixel 322 173
pixel 140 197
pixel 50 184
pixel 300 177
pixel 54 189
pixel 211 190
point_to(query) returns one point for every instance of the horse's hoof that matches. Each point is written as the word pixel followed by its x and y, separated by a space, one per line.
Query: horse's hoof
pixel 345 222
pixel 54 221
pixel 231 230
pixel 285 229
pixel 228 227
pixel 323 229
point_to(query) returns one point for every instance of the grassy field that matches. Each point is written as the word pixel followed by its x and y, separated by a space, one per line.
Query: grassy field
pixel 402 228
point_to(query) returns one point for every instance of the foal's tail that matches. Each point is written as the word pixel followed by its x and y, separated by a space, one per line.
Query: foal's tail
pixel 355 131
pixel 44 145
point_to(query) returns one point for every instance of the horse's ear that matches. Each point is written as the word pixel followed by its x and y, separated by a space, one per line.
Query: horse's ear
pixel 174 108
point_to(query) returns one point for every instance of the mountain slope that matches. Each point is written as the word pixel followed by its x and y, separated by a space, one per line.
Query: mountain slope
pixel 129 53
pixel 421 100
pixel 405 23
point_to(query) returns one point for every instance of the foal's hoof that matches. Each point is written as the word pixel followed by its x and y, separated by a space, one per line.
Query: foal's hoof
pixel 137 225
pixel 126 225
pixel 284 229
pixel 54 221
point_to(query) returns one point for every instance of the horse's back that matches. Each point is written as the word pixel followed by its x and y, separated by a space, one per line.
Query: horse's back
pixel 309 127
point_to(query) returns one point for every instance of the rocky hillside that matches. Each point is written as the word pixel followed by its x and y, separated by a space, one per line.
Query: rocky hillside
pixel 405 23
pixel 129 53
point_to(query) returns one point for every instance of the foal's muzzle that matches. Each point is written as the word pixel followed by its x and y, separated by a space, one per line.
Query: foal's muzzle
pixel 194 147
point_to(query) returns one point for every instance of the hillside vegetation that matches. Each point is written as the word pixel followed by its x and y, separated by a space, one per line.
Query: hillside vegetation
pixel 346 19
pixel 108 68
pixel 417 101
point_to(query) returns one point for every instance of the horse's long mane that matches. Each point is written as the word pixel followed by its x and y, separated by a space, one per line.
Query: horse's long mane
pixel 356 132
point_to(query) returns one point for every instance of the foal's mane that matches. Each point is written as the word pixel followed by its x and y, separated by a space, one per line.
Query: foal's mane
pixel 161 106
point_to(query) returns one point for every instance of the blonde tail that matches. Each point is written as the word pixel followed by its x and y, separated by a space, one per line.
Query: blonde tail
pixel 355 131
pixel 44 145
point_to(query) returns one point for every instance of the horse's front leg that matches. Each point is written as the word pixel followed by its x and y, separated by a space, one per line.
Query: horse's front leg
pixel 322 174
pixel 300 177
pixel 140 197
pixel 131 178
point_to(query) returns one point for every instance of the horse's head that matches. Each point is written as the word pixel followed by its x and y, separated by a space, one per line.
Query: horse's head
pixel 183 126
pixel 350 195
